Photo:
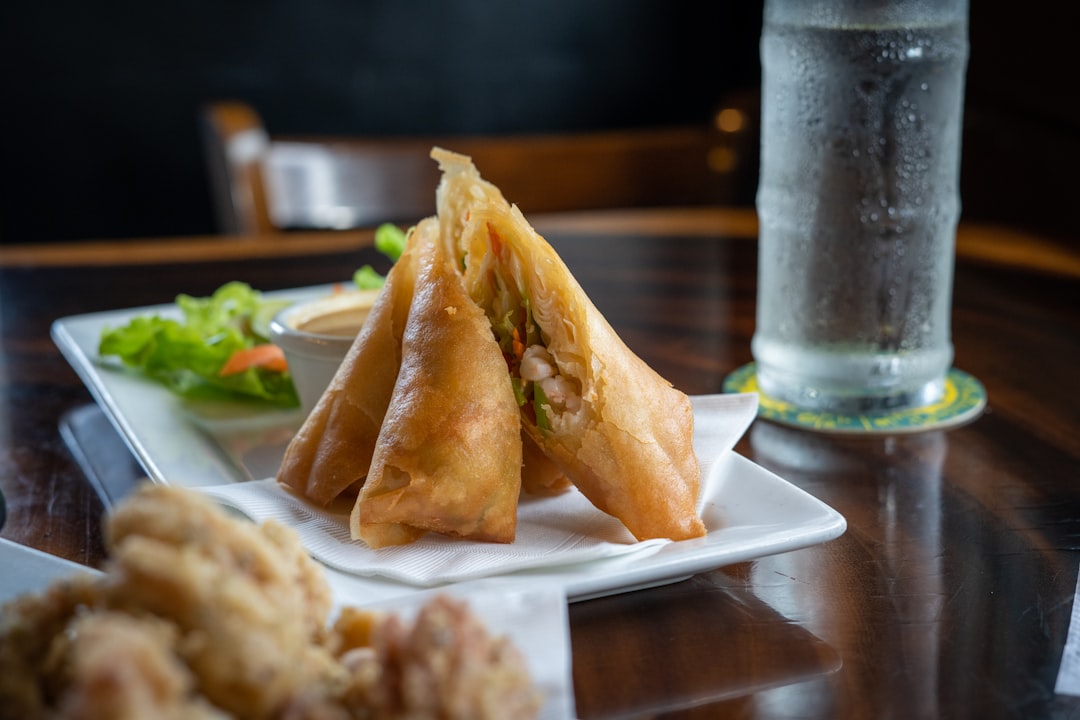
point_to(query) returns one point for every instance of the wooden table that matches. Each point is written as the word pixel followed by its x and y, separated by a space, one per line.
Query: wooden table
pixel 948 596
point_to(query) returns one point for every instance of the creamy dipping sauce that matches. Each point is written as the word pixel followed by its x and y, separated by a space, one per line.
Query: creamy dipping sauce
pixel 340 315
pixel 343 323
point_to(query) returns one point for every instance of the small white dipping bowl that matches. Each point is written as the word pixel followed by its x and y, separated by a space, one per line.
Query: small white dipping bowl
pixel 315 336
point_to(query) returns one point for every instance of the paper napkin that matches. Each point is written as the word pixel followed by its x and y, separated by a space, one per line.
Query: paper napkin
pixel 551 532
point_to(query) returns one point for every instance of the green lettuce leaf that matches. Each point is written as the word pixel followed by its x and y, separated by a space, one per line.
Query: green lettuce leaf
pixel 390 241
pixel 187 355
pixel 368 278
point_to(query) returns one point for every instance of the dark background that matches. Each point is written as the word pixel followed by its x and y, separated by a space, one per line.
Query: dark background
pixel 101 134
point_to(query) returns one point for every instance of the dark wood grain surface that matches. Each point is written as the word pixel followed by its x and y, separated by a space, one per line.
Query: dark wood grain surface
pixel 948 596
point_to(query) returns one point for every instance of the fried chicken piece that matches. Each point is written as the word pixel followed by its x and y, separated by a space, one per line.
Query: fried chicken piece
pixel 124 668
pixel 269 556
pixel 29 629
pixel 445 666
pixel 250 605
pixel 201 615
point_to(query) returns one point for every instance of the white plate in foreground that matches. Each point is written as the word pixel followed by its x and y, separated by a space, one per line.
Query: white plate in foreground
pixel 534 618
pixel 210 445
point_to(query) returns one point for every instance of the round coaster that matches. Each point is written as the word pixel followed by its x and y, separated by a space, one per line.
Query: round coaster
pixel 963 400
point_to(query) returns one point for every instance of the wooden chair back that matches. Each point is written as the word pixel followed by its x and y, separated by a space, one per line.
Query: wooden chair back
pixel 264 183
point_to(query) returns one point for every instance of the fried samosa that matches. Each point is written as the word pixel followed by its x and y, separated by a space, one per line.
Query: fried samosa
pixel 448 457
pixel 331 453
pixel 622 433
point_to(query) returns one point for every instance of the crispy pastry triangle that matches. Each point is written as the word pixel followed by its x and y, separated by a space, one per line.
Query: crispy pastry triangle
pixel 620 432
pixel 448 456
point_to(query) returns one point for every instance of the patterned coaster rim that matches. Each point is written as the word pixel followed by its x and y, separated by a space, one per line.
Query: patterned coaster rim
pixel 963 401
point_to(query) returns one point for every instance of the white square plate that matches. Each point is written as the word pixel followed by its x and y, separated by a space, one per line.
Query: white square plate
pixel 215 444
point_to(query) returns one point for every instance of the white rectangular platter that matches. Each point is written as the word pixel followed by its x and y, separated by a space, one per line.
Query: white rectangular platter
pixel 211 445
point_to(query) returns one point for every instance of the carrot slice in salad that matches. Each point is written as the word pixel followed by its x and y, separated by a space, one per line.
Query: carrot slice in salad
pixel 267 356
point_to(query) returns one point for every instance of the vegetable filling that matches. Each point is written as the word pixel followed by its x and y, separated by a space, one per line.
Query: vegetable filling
pixel 541 390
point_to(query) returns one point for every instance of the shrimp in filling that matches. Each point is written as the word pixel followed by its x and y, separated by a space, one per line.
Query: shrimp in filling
pixel 548 395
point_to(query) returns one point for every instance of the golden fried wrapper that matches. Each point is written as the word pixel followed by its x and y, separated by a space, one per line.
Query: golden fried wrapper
pixel 621 432
pixel 448 457
pixel 331 453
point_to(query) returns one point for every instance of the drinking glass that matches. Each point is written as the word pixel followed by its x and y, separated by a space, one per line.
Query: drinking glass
pixel 858 200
